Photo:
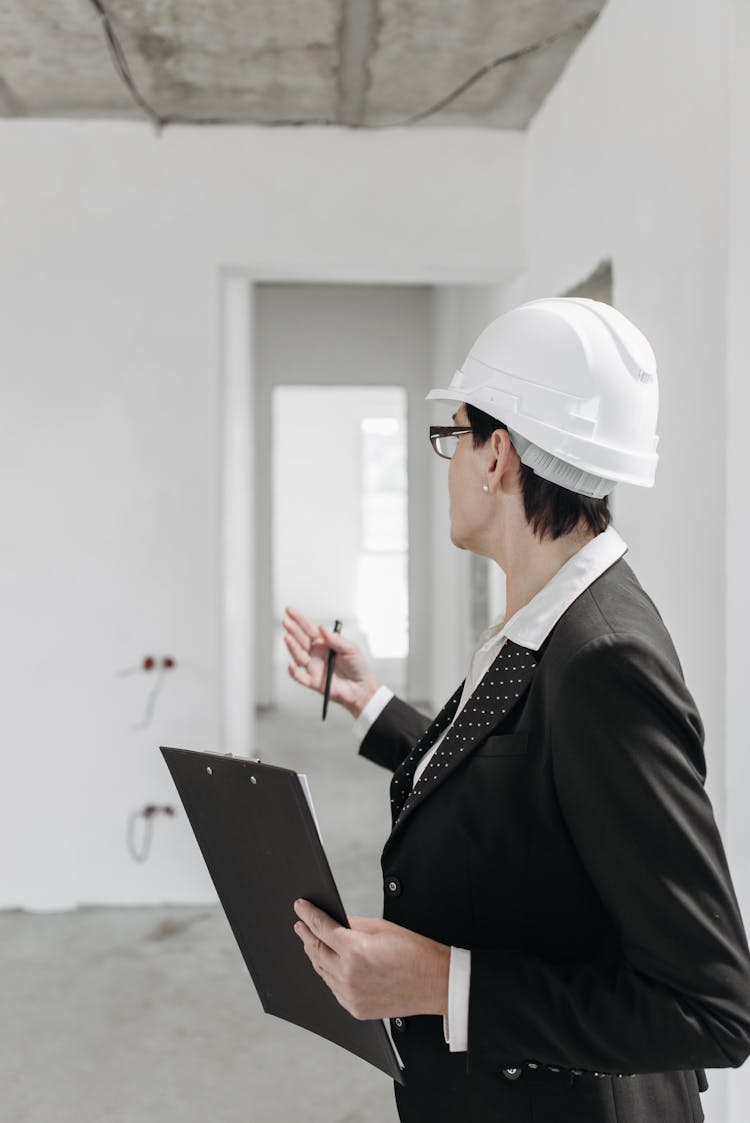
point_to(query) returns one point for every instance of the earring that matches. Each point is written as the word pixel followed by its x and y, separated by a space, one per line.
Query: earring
pixel 485 487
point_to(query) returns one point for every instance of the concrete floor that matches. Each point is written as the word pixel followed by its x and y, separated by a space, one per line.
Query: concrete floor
pixel 148 1015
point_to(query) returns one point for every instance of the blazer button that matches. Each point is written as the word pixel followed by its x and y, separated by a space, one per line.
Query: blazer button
pixel 392 886
pixel 512 1073
pixel 400 1024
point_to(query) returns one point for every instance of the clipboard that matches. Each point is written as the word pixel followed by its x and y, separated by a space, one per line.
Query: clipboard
pixel 258 833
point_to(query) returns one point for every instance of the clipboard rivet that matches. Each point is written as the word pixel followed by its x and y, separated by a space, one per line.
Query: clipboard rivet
pixel 253 780
pixel 210 771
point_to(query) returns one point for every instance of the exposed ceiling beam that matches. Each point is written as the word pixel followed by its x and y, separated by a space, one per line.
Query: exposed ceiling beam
pixel 358 32
pixel 363 64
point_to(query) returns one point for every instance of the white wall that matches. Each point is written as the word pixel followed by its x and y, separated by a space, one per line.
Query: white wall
pixel 113 242
pixel 628 160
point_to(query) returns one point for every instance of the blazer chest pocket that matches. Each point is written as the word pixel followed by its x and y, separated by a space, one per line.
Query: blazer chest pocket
pixel 507 744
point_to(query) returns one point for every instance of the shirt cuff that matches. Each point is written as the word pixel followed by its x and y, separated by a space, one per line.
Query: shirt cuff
pixel 372 710
pixel 456 1025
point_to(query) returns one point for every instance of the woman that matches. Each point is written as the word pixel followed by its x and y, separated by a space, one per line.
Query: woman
pixel 555 886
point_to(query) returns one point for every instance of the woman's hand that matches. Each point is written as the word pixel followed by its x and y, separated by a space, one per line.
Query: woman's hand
pixel 353 683
pixel 375 969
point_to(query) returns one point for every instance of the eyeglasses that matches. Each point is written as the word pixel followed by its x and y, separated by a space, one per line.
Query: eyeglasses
pixel 444 438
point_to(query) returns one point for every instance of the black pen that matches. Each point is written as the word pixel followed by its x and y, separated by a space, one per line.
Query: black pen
pixel 329 670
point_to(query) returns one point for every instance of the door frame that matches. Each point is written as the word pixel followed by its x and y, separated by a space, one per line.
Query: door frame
pixel 246 621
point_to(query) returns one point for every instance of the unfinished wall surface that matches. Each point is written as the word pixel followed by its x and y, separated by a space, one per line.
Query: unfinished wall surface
pixel 110 350
pixel 114 242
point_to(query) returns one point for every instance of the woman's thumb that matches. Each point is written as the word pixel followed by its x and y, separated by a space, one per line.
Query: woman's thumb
pixel 334 640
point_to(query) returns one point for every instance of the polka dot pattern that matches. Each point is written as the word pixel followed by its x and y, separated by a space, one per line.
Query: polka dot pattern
pixel 403 777
pixel 494 696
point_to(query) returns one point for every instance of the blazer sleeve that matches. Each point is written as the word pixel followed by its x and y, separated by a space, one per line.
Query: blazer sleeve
pixel 626 748
pixel 393 734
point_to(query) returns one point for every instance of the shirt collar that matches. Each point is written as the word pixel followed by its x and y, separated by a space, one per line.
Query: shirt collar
pixel 531 625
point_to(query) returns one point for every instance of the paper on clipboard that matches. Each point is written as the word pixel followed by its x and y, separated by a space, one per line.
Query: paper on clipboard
pixel 308 797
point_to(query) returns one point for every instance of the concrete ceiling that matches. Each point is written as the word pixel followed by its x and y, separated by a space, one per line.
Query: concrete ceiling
pixel 348 62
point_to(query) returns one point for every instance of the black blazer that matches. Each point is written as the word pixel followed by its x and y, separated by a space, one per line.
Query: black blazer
pixel 564 836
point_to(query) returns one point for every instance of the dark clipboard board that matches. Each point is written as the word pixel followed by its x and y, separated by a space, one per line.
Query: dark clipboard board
pixel 261 845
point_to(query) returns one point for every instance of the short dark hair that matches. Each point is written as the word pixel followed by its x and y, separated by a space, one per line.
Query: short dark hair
pixel 549 508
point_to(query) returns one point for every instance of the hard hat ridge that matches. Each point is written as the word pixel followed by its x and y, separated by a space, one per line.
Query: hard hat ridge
pixel 632 345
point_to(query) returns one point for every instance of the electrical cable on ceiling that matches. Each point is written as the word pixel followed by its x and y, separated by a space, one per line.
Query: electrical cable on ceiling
pixel 121 65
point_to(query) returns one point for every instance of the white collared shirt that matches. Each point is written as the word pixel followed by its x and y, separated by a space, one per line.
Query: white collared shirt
pixel 529 628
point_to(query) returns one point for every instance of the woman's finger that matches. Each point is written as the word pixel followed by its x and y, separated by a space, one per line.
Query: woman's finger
pixel 300 675
pixel 293 629
pixel 300 654
pixel 300 619
pixel 323 958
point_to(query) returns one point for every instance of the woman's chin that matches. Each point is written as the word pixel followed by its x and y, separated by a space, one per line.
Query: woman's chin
pixel 456 538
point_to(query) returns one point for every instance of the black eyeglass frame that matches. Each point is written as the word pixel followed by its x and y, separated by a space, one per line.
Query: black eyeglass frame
pixel 437 431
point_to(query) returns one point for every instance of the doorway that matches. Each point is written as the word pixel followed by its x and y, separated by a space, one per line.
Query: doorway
pixel 339 490
pixel 341 374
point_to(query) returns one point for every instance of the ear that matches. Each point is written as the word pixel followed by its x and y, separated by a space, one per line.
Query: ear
pixel 504 461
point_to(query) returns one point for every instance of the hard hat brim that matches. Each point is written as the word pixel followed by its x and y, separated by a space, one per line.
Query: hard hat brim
pixel 450 396
pixel 643 477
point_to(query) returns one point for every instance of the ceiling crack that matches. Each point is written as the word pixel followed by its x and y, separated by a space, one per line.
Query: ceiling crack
pixel 580 25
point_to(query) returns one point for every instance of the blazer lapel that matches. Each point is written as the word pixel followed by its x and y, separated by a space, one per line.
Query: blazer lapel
pixel 403 777
pixel 501 688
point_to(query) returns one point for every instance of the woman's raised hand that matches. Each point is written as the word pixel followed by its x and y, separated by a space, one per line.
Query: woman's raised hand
pixel 353 683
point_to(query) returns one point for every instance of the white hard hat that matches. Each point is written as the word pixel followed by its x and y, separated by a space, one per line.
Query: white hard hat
pixel 575 383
